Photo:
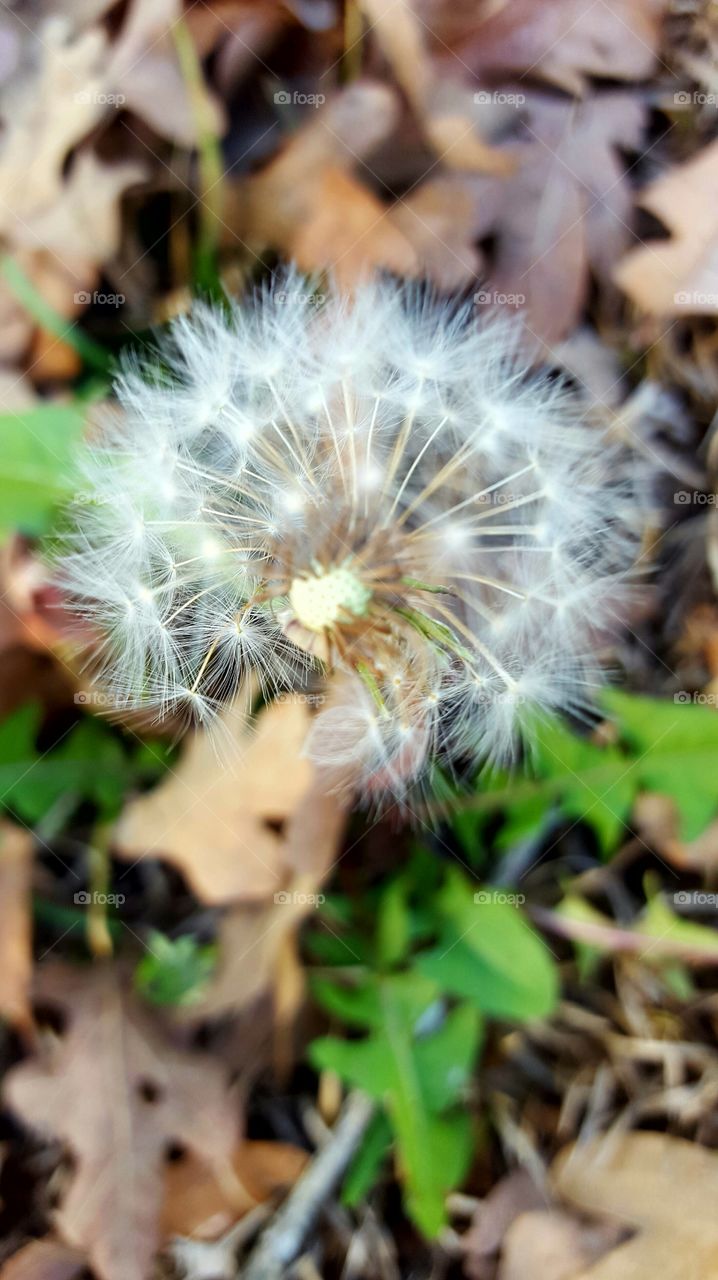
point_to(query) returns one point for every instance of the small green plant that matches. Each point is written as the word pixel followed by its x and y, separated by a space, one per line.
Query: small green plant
pixel 659 746
pixel 38 445
pixel 413 992
pixel 91 764
pixel 174 971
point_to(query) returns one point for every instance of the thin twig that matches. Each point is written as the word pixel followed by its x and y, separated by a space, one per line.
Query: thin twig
pixel 615 939
pixel 283 1240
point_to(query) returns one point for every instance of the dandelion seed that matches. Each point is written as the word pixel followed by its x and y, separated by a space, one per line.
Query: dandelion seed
pixel 374 488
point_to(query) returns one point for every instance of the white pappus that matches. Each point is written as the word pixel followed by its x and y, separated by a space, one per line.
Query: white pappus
pixel 375 487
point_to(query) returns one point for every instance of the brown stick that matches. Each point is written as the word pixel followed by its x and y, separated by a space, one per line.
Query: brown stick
pixel 282 1241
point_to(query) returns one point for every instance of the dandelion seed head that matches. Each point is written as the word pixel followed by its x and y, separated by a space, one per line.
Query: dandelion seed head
pixel 375 492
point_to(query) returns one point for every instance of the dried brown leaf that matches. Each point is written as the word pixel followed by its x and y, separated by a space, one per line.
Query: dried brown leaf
pixel 310 204
pixel 564 41
pixel 451 130
pixel 658 822
pixel 142 64
pixel 60 225
pixel 454 138
pixel 196 1203
pixel 48 109
pixel 279 206
pixel 219 820
pixel 400 34
pixel 255 947
pixel 546 1243
pixel 82 225
pixel 79 74
pixel 118 1093
pixel 663 1187
pixel 30 632
pixel 514 1194
pixel 440 220
pixel 16 852
pixel 350 233
pixel 45 1260
pixel 679 276
pixel 565 210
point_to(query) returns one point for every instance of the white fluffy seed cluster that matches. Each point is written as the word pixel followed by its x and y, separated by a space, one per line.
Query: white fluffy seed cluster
pixel 374 487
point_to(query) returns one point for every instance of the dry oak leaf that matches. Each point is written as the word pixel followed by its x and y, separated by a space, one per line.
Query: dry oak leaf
pixel 656 818
pixel 46 113
pixel 46 110
pixel 308 203
pixel 78 230
pixel 544 1244
pixel 258 948
pixel 565 211
pixel 30 631
pixel 550 1245
pixel 142 66
pixel 217 819
pixel 60 225
pixel 272 802
pixel 16 853
pixel 350 231
pixel 444 108
pixel 117 1092
pixel 662 1187
pixel 196 1203
pixel 82 226
pixel 679 276
pixel 46 1259
pixel 47 107
pixel 564 41
pixel 454 139
pixel 275 207
pixel 512 1196
pixel 401 36
pixel 440 219
pixel 697 645
pixel 81 75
